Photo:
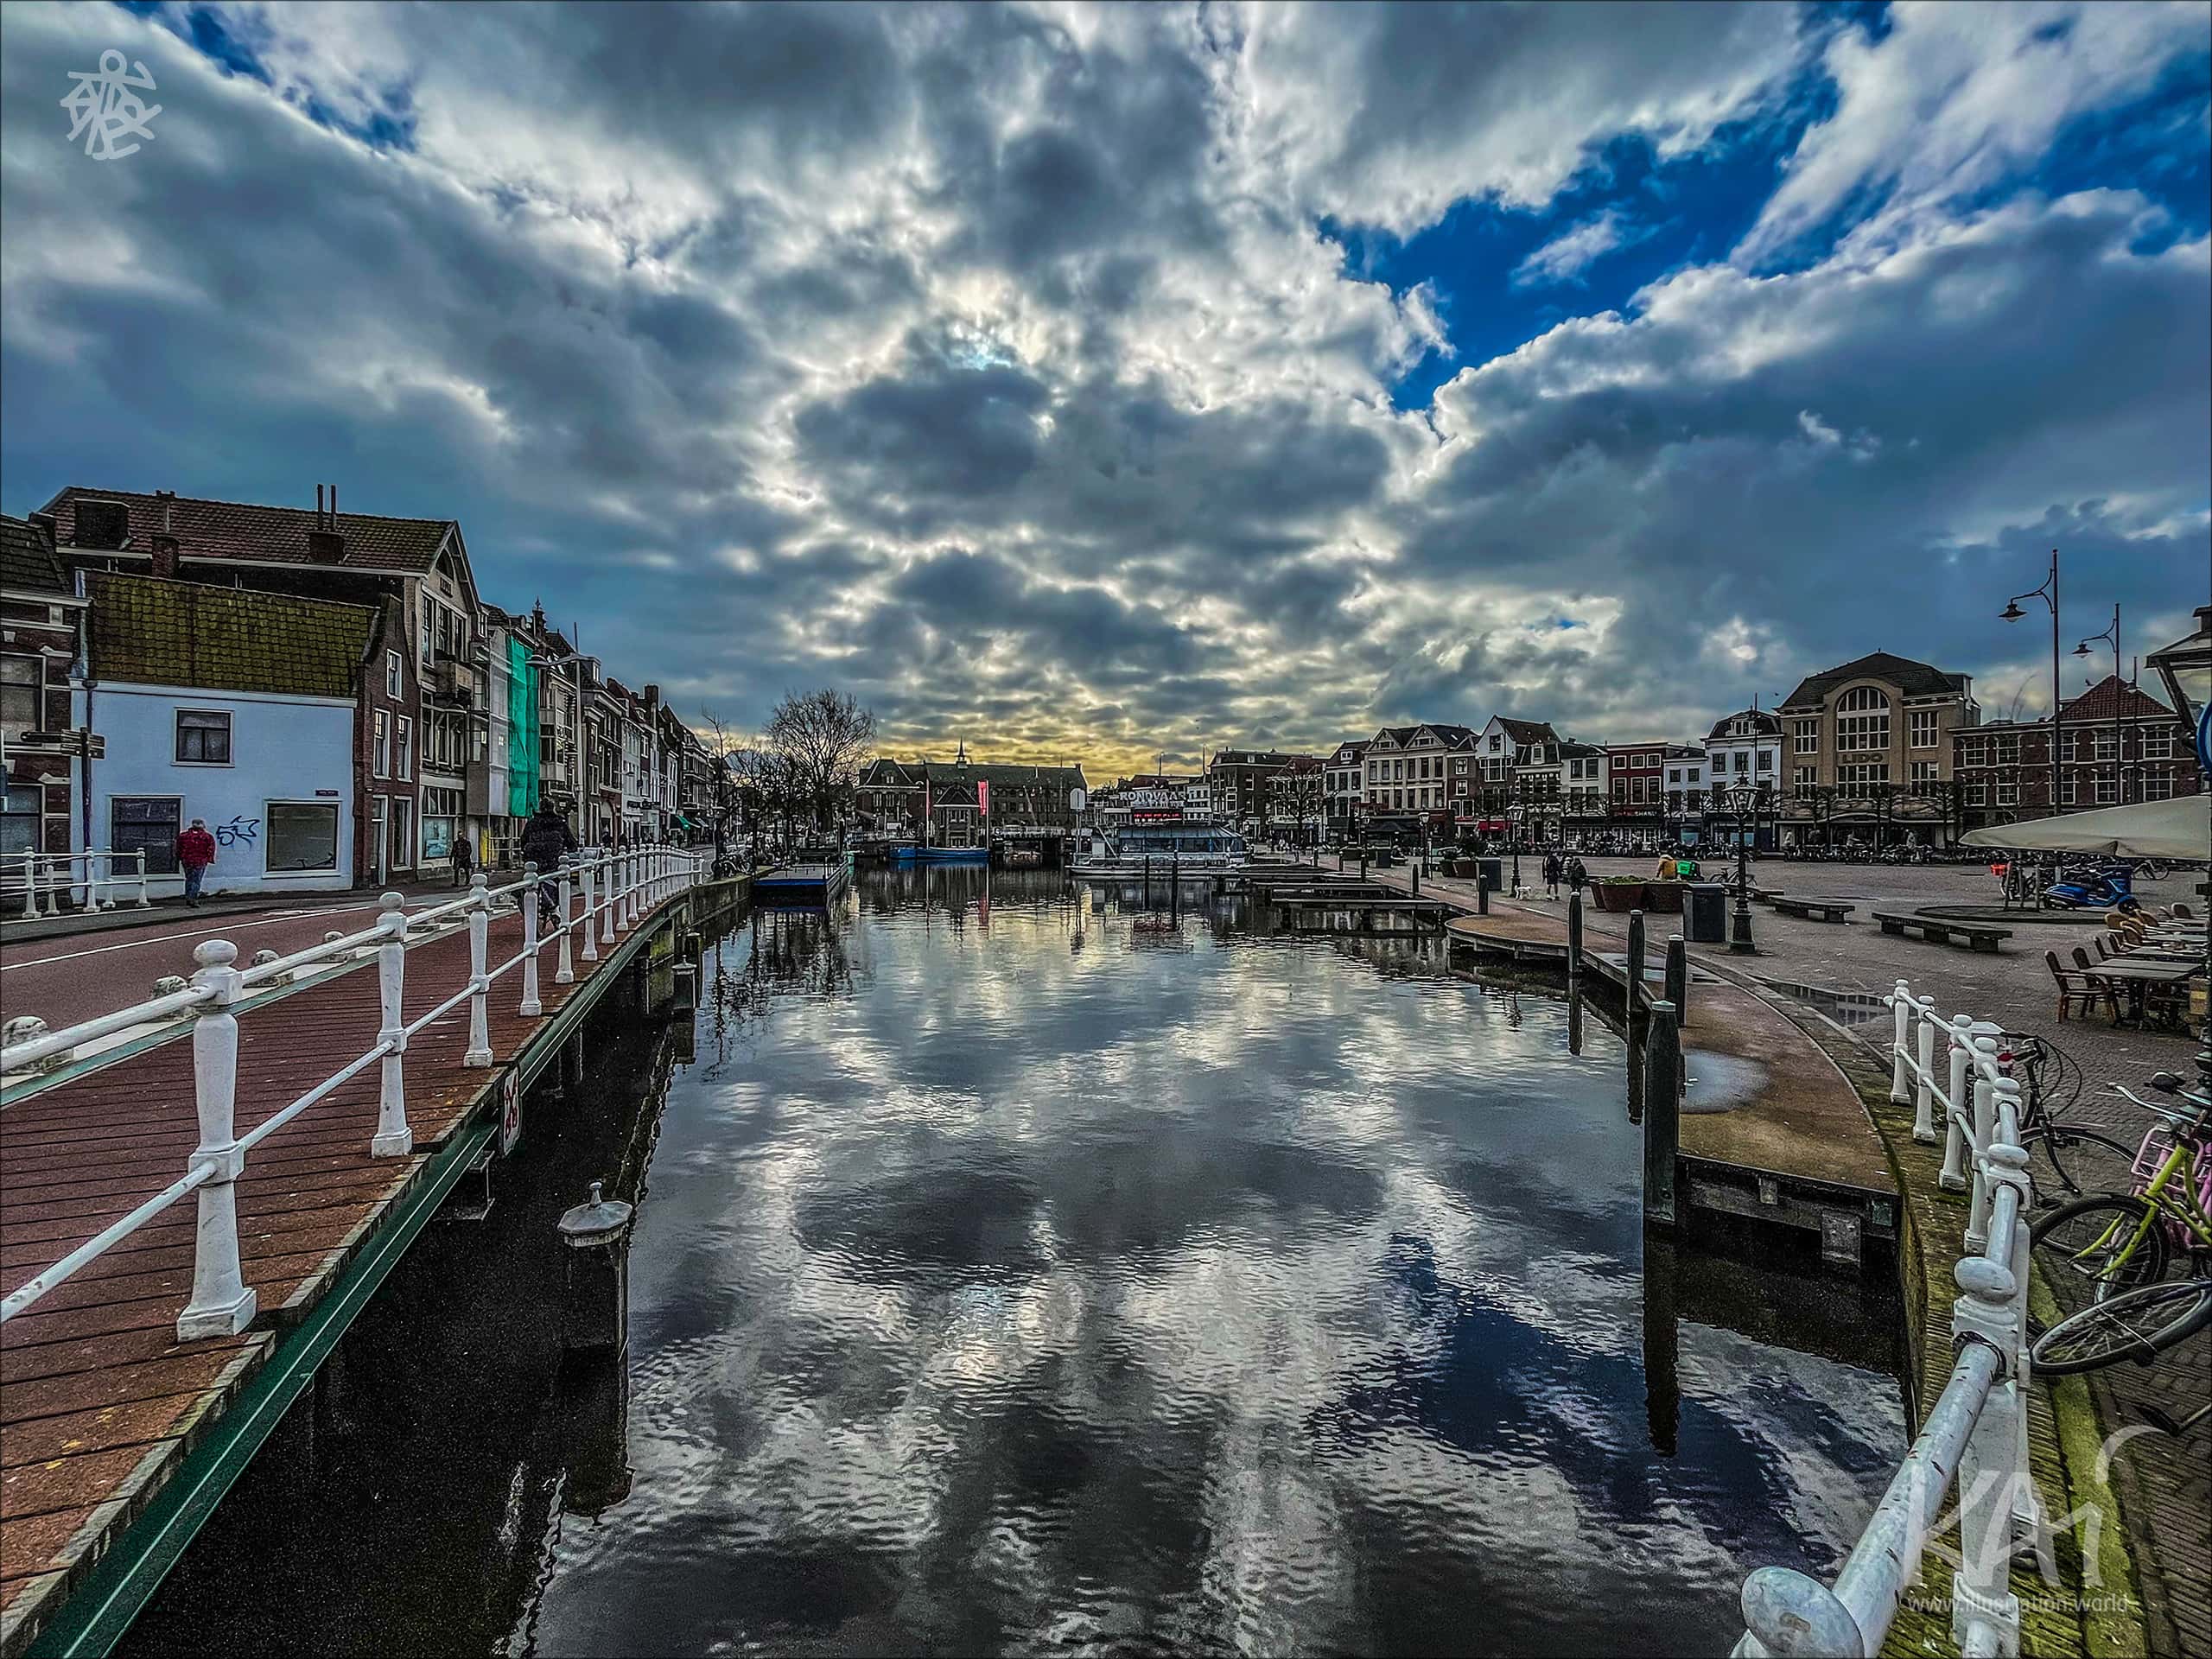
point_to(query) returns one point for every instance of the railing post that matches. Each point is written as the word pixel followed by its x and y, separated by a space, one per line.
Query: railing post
pixel 1953 1176
pixel 1989 1472
pixel 31 862
pixel 479 933
pixel 393 1138
pixel 144 903
pixel 588 872
pixel 1923 1111
pixel 91 882
pixel 610 873
pixel 1985 1125
pixel 530 1007
pixel 564 972
pixel 222 1304
pixel 1786 1612
pixel 1900 1073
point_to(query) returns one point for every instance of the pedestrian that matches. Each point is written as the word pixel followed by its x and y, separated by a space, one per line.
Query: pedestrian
pixel 1551 875
pixel 545 838
pixel 1576 874
pixel 464 859
pixel 195 851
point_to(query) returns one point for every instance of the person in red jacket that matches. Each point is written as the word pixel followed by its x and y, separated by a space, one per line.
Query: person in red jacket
pixel 195 851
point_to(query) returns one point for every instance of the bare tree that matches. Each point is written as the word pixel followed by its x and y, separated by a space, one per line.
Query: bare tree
pixel 822 737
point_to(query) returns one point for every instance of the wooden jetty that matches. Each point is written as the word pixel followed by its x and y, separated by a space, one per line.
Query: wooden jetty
pixel 117 1436
pixel 801 885
pixel 1771 1130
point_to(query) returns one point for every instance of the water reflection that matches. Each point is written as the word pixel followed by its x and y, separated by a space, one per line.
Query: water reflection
pixel 1025 1265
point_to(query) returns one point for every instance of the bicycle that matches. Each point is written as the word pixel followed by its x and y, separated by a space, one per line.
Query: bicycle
pixel 2138 1325
pixel 2120 1242
pixel 2050 1085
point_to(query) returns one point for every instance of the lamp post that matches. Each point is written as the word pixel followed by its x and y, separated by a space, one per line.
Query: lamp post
pixel 2012 612
pixel 1743 798
pixel 2186 667
pixel 2118 705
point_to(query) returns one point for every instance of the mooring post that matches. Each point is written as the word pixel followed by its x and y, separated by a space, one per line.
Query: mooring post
pixel 1573 933
pixel 1662 1105
pixel 595 1309
pixel 1662 1391
pixel 393 1139
pixel 1678 977
pixel 222 1303
pixel 480 984
pixel 1416 878
pixel 1634 962
pixel 564 971
pixel 530 1007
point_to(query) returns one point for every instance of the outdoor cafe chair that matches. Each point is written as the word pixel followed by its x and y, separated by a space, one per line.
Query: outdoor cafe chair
pixel 2079 986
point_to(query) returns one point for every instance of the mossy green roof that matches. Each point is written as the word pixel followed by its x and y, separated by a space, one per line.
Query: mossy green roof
pixel 151 632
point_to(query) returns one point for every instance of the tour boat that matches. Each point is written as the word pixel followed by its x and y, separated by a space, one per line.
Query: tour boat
pixel 1162 849
pixel 955 854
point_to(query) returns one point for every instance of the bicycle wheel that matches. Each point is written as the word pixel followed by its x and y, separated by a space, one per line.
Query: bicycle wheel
pixel 2061 1146
pixel 2110 1242
pixel 2139 1325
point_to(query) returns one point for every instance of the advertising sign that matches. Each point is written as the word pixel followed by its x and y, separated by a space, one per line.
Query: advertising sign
pixel 510 1111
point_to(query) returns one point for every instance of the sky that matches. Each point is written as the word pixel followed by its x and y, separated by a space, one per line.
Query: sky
pixel 1100 382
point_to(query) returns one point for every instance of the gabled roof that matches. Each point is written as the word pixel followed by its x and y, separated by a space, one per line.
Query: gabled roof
pixel 1573 749
pixel 1913 679
pixel 26 559
pixel 239 530
pixel 1527 731
pixel 2110 698
pixel 1351 749
pixel 1764 723
pixel 146 631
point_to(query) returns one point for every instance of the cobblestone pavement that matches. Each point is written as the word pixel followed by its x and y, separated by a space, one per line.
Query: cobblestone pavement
pixel 2166 1486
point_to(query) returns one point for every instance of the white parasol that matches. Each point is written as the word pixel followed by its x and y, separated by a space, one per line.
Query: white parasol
pixel 2181 828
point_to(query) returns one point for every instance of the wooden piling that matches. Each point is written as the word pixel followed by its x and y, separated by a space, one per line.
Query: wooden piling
pixel 1662 1105
pixel 1573 934
pixel 1678 977
pixel 1635 980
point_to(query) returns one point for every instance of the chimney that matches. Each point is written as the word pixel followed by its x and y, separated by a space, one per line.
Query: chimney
pixel 163 554
pixel 47 526
pixel 325 544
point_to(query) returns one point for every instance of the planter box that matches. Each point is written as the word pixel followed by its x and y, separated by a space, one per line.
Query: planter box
pixel 1621 897
pixel 1663 897
pixel 1462 869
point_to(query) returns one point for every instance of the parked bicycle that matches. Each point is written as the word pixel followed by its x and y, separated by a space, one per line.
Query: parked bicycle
pixel 2081 1160
pixel 2120 1242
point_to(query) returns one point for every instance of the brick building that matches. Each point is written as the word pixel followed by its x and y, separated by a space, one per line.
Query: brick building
pixel 1868 748
pixel 2118 745
pixel 46 747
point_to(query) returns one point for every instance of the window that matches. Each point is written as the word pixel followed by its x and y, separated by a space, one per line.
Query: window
pixel 147 821
pixel 2008 793
pixel 302 835
pixel 22 681
pixel 401 825
pixel 394 670
pixel 2157 784
pixel 1807 736
pixel 1862 721
pixel 19 809
pixel 1924 728
pixel 441 810
pixel 1974 751
pixel 1923 772
pixel 1742 762
pixel 380 756
pixel 1766 759
pixel 2107 744
pixel 2158 744
pixel 2108 791
pixel 2069 791
pixel 1859 782
pixel 406 765
pixel 203 737
pixel 1977 794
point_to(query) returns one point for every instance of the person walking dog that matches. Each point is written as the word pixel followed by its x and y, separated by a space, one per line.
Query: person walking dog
pixel 195 851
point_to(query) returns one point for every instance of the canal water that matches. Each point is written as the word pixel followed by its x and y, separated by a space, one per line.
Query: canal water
pixel 1017 1268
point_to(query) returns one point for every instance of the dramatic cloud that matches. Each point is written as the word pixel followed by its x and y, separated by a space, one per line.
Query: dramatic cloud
pixel 1007 365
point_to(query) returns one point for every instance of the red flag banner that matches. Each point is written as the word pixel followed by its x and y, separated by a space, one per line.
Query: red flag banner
pixel 983 796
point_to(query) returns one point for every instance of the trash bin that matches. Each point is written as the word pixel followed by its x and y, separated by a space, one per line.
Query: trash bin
pixel 1705 913
pixel 1491 872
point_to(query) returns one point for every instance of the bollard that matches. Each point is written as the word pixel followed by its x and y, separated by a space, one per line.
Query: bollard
pixel 1678 977
pixel 479 987
pixel 1635 980
pixel 1662 1105
pixel 530 1007
pixel 1416 880
pixel 1575 933
pixel 222 1303
pixel 144 903
pixel 687 987
pixel 564 971
pixel 1482 895
pixel 595 1310
pixel 393 1138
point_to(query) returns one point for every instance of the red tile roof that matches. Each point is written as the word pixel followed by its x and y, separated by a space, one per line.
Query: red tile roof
pixel 239 530
pixel 2109 697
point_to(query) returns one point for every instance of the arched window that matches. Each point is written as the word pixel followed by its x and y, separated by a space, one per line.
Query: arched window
pixel 1862 721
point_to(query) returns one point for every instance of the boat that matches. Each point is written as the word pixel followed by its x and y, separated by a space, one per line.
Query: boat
pixel 1161 851
pixel 955 854
pixel 805 886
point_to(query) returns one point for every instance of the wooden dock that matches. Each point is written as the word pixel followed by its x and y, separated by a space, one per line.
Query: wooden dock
pixel 1770 1130
pixel 101 1408
pixel 806 886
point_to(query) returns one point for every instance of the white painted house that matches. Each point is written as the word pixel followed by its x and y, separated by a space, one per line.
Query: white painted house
pixel 234 707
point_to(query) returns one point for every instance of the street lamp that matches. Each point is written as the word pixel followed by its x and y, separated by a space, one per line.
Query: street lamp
pixel 2186 667
pixel 2118 705
pixel 1743 798
pixel 2012 612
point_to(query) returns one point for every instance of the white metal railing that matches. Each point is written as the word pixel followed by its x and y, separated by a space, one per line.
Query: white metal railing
pixel 596 896
pixel 54 877
pixel 1975 1435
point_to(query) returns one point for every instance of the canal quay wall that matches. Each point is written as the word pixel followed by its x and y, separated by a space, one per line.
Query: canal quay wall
pixel 2086 1597
pixel 120 1441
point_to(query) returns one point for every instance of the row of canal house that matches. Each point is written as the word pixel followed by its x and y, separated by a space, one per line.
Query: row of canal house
pixel 327 691
pixel 1881 751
